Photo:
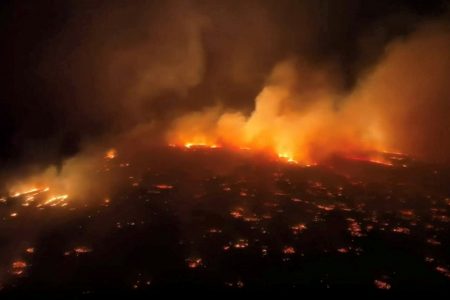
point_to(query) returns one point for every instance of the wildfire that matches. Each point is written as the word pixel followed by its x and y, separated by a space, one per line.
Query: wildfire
pixel 381 284
pixel 29 192
pixel 111 154
pixel 287 157
pixel 201 145
pixel 343 250
pixel 194 262
pixel 164 186
pixel 296 229
pixel 40 196
pixel 241 244
pixel 82 250
pixel 55 200
pixel 237 213
pixel 18 267
pixel 403 230
pixel 373 160
pixel 289 250
pixel 443 270
pixel 290 121
pixel 283 156
pixel 354 228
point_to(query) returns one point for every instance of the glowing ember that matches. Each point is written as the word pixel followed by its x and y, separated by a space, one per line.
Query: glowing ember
pixel 19 264
pixel 443 270
pixel 296 229
pixel 106 202
pixel 433 242
pixel 194 262
pixel 377 161
pixel 287 158
pixel 403 230
pixel 343 250
pixel 326 207
pixel 252 219
pixel 441 218
pixel 111 154
pixel 54 201
pixel 354 228
pixel 240 244
pixel 164 186
pixel 82 250
pixel 264 250
pixel 201 145
pixel 289 250
pixel 18 267
pixel 382 285
pixel 237 284
pixel 214 230
pixel 408 213
pixel 429 259
pixel 39 196
pixel 29 192
pixel 238 213
pixel 30 250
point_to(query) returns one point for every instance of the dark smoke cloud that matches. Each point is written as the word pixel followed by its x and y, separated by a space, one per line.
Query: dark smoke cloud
pixel 80 72
pixel 409 92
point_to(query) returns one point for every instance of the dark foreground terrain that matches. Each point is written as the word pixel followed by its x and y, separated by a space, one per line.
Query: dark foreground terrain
pixel 209 218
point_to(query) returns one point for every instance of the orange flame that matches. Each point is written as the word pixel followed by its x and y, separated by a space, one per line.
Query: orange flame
pixel 302 127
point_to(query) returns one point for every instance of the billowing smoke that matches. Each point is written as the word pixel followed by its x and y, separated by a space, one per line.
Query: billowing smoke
pixel 304 79
pixel 407 94
pixel 401 104
pixel 299 114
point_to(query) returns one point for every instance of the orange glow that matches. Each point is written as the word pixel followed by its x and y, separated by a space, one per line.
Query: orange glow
pixel 28 191
pixel 290 121
pixel 52 186
pixel 111 154
pixel 37 194
pixel 164 186
pixel 82 250
pixel 194 262
pixel 238 213
pixel 19 264
pixel 403 230
pixel 378 160
pixel 289 250
pixel 289 158
pixel 200 145
pixel 296 229
pixel 18 267
pixel 292 157
pixel 55 200
pixel 382 285
pixel 241 244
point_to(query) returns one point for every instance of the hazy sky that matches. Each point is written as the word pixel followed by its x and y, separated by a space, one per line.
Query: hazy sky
pixel 78 71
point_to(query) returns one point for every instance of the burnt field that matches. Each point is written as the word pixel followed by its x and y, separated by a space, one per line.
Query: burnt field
pixel 213 218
